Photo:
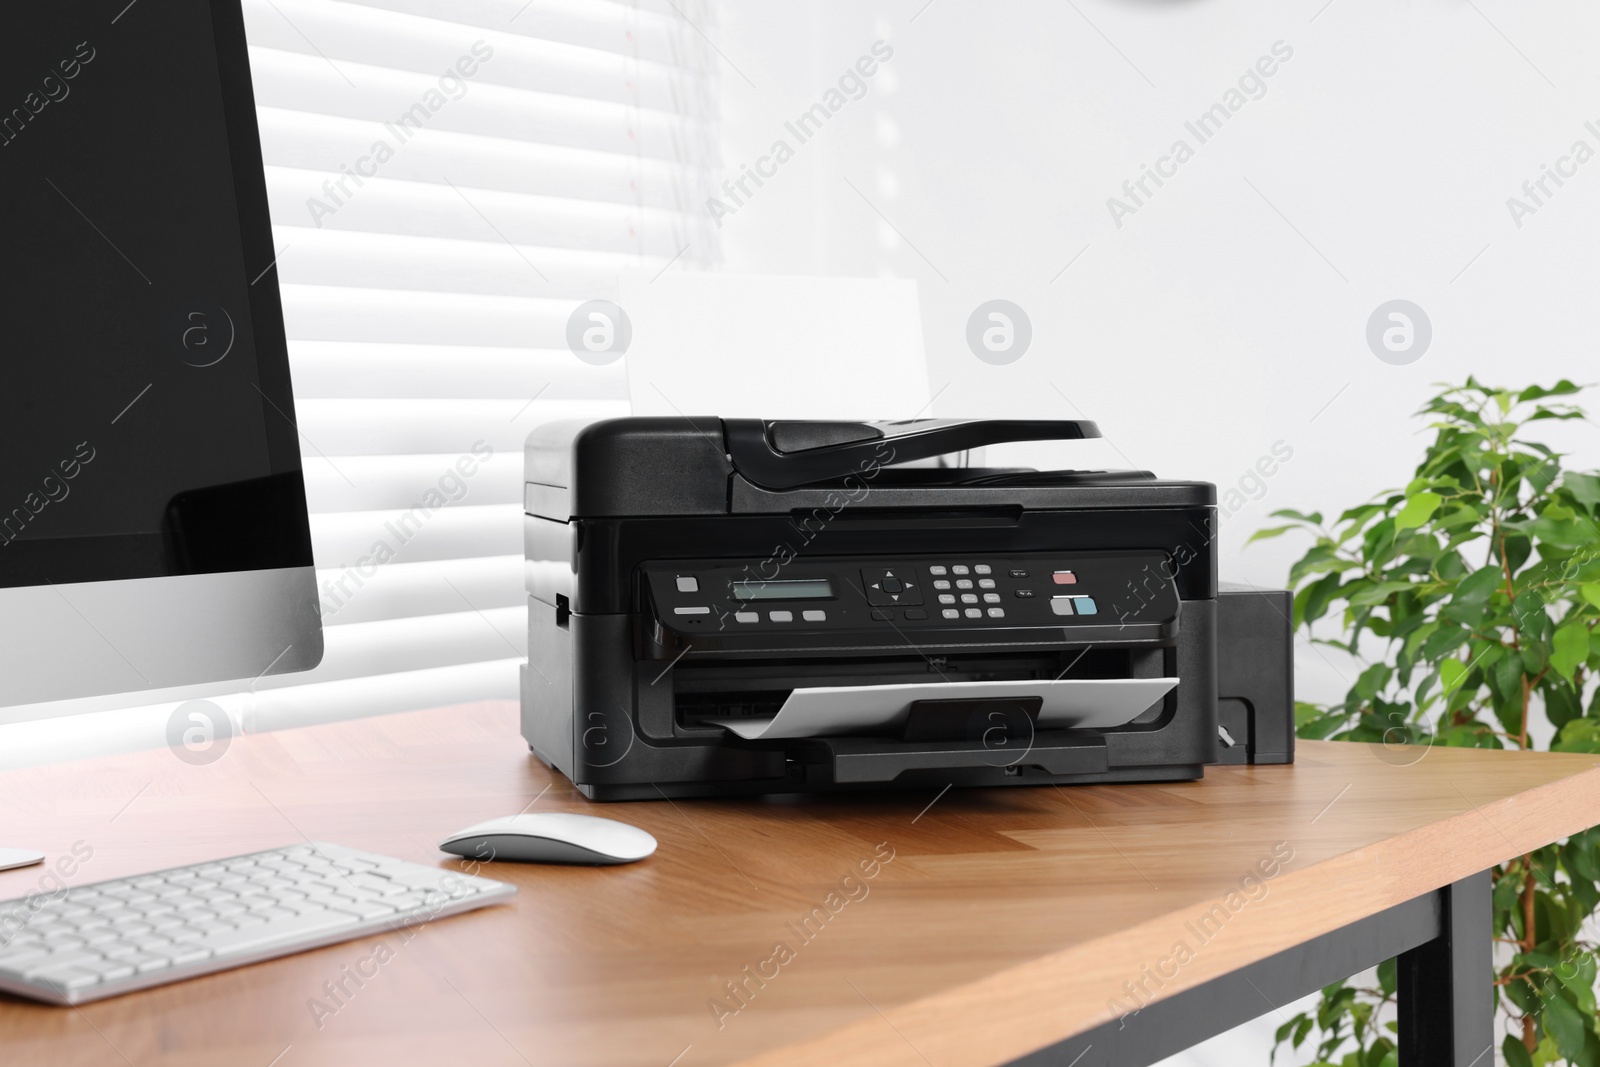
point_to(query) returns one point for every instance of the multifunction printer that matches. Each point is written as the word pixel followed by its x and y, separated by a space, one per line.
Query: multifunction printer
pixel 741 606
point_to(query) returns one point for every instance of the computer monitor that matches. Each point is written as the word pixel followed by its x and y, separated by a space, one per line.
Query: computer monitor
pixel 153 527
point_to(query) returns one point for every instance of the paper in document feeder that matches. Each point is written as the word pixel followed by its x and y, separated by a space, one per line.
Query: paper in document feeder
pixel 1089 703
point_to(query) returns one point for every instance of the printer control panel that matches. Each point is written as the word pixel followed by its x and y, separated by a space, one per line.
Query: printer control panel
pixel 964 590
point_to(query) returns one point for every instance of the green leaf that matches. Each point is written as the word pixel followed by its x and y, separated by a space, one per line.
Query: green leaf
pixel 1539 392
pixel 1507 675
pixel 1311 603
pixel 1272 531
pixel 1564 1023
pixel 1363 594
pixel 1515 1052
pixel 1452 672
pixel 1474 592
pixel 1590 591
pixel 1577 978
pixel 1561 703
pixel 1585 487
pixel 1568 533
pixel 1569 647
pixel 1579 735
pixel 1418 510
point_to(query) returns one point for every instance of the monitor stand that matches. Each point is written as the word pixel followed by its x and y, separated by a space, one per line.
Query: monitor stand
pixel 19 857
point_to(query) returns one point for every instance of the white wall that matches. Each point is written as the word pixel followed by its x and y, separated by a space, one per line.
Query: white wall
pixel 1229 311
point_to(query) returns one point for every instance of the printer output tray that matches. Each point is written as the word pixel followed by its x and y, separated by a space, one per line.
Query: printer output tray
pixel 1071 703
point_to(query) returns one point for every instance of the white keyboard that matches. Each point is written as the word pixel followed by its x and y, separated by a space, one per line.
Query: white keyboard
pixel 114 937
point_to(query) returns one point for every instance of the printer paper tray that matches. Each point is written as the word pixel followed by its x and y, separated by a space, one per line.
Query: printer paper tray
pixel 1074 703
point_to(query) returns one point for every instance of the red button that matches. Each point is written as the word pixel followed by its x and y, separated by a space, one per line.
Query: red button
pixel 1065 578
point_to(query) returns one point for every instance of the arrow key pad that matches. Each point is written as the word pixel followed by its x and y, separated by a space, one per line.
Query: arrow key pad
pixel 891 586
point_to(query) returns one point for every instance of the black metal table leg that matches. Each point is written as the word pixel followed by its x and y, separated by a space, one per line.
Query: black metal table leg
pixel 1446 985
pixel 1445 946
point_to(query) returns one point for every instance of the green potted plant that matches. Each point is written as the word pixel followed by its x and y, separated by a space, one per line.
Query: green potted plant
pixel 1470 599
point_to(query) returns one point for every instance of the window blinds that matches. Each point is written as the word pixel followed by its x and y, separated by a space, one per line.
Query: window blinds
pixel 448 180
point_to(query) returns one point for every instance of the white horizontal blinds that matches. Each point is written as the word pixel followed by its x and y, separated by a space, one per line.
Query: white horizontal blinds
pixel 426 309
pixel 448 180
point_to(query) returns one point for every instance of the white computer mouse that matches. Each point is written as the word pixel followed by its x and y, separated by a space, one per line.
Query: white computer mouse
pixel 19 857
pixel 551 837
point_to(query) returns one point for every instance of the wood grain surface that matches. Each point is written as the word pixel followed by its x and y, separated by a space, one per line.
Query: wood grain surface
pixel 965 928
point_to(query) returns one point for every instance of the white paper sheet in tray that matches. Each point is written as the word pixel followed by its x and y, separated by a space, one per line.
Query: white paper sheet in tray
pixel 1073 703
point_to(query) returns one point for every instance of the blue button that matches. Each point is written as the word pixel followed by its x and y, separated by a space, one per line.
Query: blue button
pixel 1085 605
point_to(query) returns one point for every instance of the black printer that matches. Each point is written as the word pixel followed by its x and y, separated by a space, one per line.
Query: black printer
pixel 740 606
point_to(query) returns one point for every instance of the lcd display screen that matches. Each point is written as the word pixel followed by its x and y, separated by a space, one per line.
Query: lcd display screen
pixel 796 589
pixel 146 421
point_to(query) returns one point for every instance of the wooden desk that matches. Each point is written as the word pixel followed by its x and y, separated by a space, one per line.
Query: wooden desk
pixel 1005 921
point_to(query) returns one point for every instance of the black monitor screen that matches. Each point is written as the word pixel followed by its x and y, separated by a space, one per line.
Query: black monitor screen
pixel 145 420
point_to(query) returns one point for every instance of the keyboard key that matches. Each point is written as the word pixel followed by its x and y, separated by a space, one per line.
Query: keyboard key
pixel 110 970
pixel 283 932
pixel 54 961
pixel 424 879
pixel 376 884
pixel 365 909
pixel 65 979
pixel 18 960
pixel 258 903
